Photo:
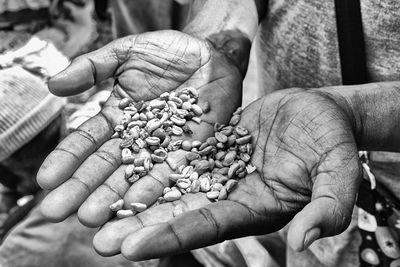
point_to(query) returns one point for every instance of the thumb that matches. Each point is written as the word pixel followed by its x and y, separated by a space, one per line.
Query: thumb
pixel 89 69
pixel 329 212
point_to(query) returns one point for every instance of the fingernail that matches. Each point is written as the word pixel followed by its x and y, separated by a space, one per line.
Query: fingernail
pixel 311 235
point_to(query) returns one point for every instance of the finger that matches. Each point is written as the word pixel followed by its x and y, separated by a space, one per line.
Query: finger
pixel 333 197
pixel 77 146
pixel 108 240
pixel 198 228
pixel 95 211
pixel 66 198
pixel 89 69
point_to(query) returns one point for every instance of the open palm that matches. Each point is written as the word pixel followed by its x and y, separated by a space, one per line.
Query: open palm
pixel 84 172
pixel 307 168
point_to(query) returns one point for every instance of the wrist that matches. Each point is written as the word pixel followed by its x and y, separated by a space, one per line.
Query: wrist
pixel 228 25
pixel 373 111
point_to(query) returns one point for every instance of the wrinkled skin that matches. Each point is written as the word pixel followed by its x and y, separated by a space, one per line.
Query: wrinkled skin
pixel 305 154
pixel 307 164
pixel 84 172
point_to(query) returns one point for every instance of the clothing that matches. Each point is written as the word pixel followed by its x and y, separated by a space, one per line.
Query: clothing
pixel 298 47
pixel 36 242
pixel 26 108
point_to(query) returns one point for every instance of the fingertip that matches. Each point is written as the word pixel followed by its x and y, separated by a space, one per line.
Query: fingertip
pixel 88 217
pixel 144 244
pixel 108 240
pixel 50 210
pixel 76 78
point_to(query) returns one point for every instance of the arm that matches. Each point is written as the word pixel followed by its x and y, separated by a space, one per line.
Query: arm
pixel 374 112
pixel 229 25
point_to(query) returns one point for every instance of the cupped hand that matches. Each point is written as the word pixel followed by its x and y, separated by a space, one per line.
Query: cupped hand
pixel 84 172
pixel 307 171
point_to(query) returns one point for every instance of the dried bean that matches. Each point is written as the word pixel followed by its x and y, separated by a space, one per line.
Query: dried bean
pixel 138 207
pixel 125 213
pixel 116 206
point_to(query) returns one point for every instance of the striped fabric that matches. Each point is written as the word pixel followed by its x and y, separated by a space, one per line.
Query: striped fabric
pixel 26 107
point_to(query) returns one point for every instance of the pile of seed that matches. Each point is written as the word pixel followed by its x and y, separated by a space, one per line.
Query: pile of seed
pixel 214 166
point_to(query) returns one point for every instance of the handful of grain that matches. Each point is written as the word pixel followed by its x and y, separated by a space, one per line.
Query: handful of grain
pixel 214 166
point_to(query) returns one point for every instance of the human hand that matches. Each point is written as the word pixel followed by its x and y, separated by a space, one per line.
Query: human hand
pixel 307 171
pixel 85 170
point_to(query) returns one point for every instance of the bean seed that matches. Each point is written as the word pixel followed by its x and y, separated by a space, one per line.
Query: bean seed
pixel 242 174
pixel 129 171
pixel 217 186
pixel 227 130
pixel 231 185
pixel 146 164
pixel 196 143
pixel 157 159
pixel 223 170
pixel 231 140
pixel 183 183
pixel 223 194
pixel 126 156
pixel 119 128
pixel 166 190
pixel 218 164
pixel 229 158
pixel 127 142
pixel 187 171
pixel 176 130
pixel 212 194
pixel 221 137
pixel 125 213
pixel 197 110
pixel 166 142
pixel 116 206
pixel 204 184
pixel 202 166
pixel 206 151
pixel 178 121
pixel 193 91
pixel 138 207
pixel 160 104
pixel 152 140
pixel 232 169
pixel 190 156
pixel 194 176
pixel 153 125
pixel 195 186
pixel 177 100
pixel 142 117
pixel 186 106
pixel 124 103
pixel 243 140
pixel 212 141
pixel 164 96
pixel 172 195
pixel 196 120
pixel 133 178
pixel 250 168
pixel 234 120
